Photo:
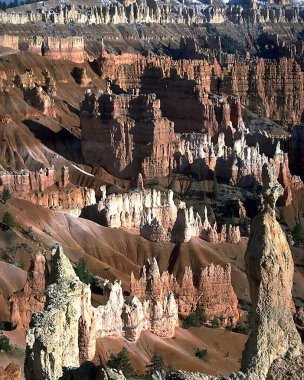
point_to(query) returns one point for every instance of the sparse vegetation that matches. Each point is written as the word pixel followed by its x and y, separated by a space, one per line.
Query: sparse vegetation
pixel 28 231
pixel 83 274
pixel 121 362
pixel 196 319
pixel 215 187
pixel 298 235
pixel 201 353
pixel 5 196
pixel 156 365
pixel 4 341
pixel 215 324
pixel 8 221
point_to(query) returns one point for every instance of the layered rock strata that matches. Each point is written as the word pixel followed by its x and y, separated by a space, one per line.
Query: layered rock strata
pixel 32 297
pixel 129 12
pixel 68 48
pixel 48 189
pixel 130 134
pixel 156 217
pixel 214 292
pixel 274 349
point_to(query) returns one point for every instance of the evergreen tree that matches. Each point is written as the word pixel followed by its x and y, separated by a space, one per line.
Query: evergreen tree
pixel 121 362
pixel 6 194
pixel 298 235
pixel 8 221
pixel 4 341
pixel 156 364
pixel 83 274
pixel 215 187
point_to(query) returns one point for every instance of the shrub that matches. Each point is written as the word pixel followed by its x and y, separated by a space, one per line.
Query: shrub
pixel 298 235
pixel 156 365
pixel 4 341
pixel 201 353
pixel 121 362
pixel 215 324
pixel 83 274
pixel 196 319
pixel 5 196
pixel 8 220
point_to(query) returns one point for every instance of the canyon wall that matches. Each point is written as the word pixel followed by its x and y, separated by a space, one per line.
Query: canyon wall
pixel 213 292
pixel 130 135
pixel 67 48
pixel 155 12
pixel 9 41
pixel 156 217
pixel 48 188
pixel 32 297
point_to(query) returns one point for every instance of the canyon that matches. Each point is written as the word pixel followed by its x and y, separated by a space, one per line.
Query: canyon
pixel 151 189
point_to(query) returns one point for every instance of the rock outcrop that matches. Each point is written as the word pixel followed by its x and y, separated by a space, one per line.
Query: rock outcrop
pixel 130 12
pixel 68 48
pixel 129 133
pixel 9 41
pixel 11 372
pixel 156 217
pixel 214 292
pixel 63 335
pixel 270 270
pixel 48 188
pixel 274 349
pixel 31 298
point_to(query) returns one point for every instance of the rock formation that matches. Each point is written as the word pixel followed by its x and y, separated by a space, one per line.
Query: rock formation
pixel 270 271
pixel 157 218
pixel 31 298
pixel 11 372
pixel 129 133
pixel 214 291
pixel 9 41
pixel 64 334
pixel 69 48
pixel 130 12
pixel 274 349
pixel 48 189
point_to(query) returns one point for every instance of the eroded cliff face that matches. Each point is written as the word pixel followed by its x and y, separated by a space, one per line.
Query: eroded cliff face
pixel 31 298
pixel 48 188
pixel 213 292
pixel 129 134
pixel 274 349
pixel 63 335
pixel 155 216
pixel 69 48
pixel 11 372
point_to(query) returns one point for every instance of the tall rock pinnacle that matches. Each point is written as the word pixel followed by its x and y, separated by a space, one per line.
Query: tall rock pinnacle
pixel 270 270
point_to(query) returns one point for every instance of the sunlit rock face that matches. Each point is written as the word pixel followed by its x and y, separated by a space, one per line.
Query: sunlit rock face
pixel 31 298
pixel 214 292
pixel 63 335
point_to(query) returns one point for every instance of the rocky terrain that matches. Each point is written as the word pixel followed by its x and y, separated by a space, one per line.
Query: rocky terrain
pixel 151 189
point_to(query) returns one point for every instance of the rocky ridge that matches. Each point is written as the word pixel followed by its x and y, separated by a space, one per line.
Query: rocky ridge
pixel 274 346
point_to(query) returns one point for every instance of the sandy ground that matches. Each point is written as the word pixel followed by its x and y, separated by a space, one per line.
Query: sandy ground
pixel 224 350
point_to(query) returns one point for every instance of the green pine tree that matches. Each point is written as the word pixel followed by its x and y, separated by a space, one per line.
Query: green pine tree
pixel 82 272
pixel 6 194
pixel 4 341
pixel 8 221
pixel 156 364
pixel 121 362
